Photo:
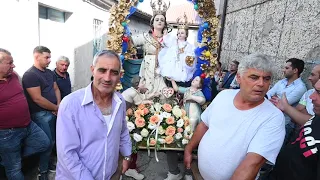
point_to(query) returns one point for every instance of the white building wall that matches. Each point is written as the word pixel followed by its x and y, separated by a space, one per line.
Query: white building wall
pixel 21 30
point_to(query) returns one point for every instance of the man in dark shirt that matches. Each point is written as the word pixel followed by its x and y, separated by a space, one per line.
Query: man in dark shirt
pixel 228 78
pixel 43 97
pixel 17 132
pixel 62 75
pixel 300 159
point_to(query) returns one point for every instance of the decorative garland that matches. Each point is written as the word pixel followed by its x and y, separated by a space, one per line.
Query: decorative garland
pixel 207 43
pixel 119 36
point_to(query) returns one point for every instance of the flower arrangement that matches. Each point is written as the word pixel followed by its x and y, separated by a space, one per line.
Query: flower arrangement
pixel 158 126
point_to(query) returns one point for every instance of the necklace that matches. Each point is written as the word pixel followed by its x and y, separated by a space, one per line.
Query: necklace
pixel 181 50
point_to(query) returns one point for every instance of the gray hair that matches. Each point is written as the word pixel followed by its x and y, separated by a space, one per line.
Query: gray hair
pixel 64 58
pixel 108 53
pixel 4 51
pixel 135 80
pixel 256 61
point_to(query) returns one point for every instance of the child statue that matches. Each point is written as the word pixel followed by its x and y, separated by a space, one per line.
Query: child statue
pixel 176 59
pixel 193 99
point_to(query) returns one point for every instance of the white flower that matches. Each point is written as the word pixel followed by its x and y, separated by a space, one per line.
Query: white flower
pixel 180 123
pixel 152 126
pixel 137 137
pixel 188 128
pixel 161 141
pixel 127 118
pixel 157 107
pixel 177 111
pixel 130 126
pixel 190 135
pixel 185 141
pixel 161 130
pixel 178 136
pixel 144 132
pixel 165 114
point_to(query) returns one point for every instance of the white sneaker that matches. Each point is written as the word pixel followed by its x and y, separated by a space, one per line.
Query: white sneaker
pixel 188 177
pixel 134 174
pixel 173 177
pixel 120 178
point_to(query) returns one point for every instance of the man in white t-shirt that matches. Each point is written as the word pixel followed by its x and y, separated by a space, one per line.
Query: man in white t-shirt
pixel 240 130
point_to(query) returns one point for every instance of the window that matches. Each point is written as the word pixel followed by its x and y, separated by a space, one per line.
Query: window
pixel 97 39
pixel 51 14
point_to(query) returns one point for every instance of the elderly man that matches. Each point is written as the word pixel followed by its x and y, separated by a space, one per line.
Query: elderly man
pixel 43 97
pixel 62 75
pixel 300 159
pixel 19 136
pixel 240 130
pixel 91 125
pixel 230 75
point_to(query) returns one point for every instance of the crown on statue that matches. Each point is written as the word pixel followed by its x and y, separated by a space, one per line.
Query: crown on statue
pixel 182 22
pixel 159 7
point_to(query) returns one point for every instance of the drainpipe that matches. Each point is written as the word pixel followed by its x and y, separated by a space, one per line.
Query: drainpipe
pixel 223 20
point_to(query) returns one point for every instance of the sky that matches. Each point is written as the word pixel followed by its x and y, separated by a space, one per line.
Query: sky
pixel 145 5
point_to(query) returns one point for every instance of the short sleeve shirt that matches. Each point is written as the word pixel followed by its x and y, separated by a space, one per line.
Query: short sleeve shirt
pixel 233 133
pixel 307 102
pixel 34 77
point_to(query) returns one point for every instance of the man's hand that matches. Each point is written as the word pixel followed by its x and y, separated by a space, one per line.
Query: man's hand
pixel 143 90
pixel 282 103
pixel 274 99
pixel 187 158
pixel 125 165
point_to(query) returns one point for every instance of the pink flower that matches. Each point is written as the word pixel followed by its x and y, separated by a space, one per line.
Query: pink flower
pixel 180 130
pixel 129 112
pixel 167 107
pixel 154 119
pixel 152 142
pixel 145 111
pixel 170 131
pixel 170 120
pixel 169 139
pixel 140 122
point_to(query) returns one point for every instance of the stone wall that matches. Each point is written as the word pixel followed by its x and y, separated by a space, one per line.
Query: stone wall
pixel 281 29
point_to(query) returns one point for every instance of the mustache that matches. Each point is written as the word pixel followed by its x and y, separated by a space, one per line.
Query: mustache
pixel 107 82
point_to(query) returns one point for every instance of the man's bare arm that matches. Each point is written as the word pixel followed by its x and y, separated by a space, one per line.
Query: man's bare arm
pixel 35 94
pixel 249 167
pixel 57 92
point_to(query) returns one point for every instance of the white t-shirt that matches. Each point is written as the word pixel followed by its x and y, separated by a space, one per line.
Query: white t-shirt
pixel 233 133
pixel 307 102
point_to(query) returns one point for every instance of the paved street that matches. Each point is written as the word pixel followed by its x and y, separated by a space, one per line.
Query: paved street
pixel 152 169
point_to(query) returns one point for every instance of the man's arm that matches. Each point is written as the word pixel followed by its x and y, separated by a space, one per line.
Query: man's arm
pixel 194 142
pixel 125 141
pixel 273 90
pixel 297 116
pixel 57 92
pixel 295 95
pixel 249 167
pixel 67 148
pixel 35 94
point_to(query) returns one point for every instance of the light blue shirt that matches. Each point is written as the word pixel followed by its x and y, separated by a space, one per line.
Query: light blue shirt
pixel 293 92
pixel 88 147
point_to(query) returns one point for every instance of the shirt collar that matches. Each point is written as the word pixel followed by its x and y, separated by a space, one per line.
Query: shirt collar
pixel 285 81
pixel 88 97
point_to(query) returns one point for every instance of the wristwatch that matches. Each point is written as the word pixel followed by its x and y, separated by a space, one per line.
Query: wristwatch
pixel 127 158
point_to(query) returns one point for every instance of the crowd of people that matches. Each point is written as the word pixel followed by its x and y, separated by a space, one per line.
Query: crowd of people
pixel 240 134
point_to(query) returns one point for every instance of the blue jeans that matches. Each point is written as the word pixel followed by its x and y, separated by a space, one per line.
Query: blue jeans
pixel 47 122
pixel 17 142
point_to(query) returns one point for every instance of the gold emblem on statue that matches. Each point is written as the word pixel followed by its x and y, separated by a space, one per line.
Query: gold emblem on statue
pixel 189 60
